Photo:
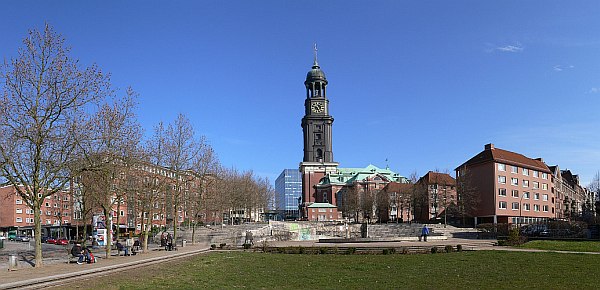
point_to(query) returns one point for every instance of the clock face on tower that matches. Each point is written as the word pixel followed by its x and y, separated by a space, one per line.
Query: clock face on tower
pixel 317 107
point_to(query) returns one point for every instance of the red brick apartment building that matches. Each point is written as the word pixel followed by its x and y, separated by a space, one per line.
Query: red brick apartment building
pixel 441 192
pixel 510 187
pixel 16 215
pixel 424 201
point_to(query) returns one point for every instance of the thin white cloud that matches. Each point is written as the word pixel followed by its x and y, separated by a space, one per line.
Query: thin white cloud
pixel 559 67
pixel 510 48
pixel 594 91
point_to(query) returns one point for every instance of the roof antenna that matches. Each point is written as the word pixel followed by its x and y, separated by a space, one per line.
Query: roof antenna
pixel 387 165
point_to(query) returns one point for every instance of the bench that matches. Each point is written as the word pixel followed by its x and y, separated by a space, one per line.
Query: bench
pixel 72 259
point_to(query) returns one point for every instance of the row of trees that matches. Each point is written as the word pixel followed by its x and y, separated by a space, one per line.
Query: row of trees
pixel 64 127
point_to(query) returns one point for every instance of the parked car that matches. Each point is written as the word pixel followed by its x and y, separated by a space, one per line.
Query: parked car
pixel 51 241
pixel 22 239
pixel 62 241
pixel 45 239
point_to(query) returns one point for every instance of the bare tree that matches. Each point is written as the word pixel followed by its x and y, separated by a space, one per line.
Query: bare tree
pixel 42 91
pixel 109 153
pixel 182 149
pixel 467 197
pixel 205 167
pixel 594 188
pixel 152 186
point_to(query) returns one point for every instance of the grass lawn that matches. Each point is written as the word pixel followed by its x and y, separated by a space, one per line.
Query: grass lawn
pixel 472 270
pixel 578 246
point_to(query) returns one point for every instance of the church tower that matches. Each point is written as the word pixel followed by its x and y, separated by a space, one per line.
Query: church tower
pixel 316 128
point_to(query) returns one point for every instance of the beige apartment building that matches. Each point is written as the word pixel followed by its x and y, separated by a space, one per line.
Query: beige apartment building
pixel 510 187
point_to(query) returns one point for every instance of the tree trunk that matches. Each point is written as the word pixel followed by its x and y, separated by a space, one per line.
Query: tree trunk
pixel 108 222
pixel 38 234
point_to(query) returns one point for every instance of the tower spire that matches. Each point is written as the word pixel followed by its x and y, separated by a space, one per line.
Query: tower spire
pixel 316 62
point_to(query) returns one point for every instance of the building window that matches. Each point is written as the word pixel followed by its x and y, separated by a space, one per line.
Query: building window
pixel 525 171
pixel 536 173
pixel 515 206
pixel 515 193
pixel 544 186
pixel 536 196
pixel 514 169
pixel 19 210
pixel 502 179
pixel 536 207
pixel 544 175
pixel 536 185
pixel 501 167
pixel 526 207
pixel 47 205
pixel 18 201
pixel 526 194
pixel 502 191
pixel 19 220
pixel 514 181
pixel 525 183
pixel 122 213
pixel 502 205
pixel 545 208
pixel 544 197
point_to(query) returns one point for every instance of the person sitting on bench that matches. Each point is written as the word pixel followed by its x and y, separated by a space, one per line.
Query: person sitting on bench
pixel 121 248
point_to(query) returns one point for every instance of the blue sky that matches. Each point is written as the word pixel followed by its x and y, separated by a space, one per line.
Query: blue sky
pixel 424 84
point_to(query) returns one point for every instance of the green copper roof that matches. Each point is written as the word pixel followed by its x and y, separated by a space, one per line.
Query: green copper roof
pixel 349 175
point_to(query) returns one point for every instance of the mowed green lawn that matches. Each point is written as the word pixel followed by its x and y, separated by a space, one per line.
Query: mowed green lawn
pixel 470 270
pixel 577 246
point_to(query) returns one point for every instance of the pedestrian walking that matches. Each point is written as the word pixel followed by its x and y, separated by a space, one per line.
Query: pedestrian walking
pixel 425 232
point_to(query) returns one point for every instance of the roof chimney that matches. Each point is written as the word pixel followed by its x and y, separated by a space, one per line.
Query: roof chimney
pixel 489 146
pixel 540 159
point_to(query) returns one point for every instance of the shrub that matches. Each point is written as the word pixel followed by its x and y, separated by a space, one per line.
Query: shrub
pixel 351 250
pixel 213 246
pixel 515 238
pixel 322 251
pixel 264 246
pixel 301 250
pixel 449 249
pixel 434 250
pixel 222 245
pixel 389 251
pixel 459 248
pixel 247 246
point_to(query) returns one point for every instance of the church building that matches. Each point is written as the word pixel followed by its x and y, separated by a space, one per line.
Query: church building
pixel 318 155
pixel 323 182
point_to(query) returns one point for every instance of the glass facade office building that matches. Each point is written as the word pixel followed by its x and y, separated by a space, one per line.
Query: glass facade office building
pixel 288 188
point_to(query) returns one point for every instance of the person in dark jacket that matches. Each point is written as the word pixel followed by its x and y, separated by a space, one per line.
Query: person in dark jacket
pixel 77 251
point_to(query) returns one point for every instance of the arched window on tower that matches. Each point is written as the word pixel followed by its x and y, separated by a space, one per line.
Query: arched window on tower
pixel 319 153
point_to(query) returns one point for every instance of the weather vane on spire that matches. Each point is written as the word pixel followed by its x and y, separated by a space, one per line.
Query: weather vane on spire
pixel 315 50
